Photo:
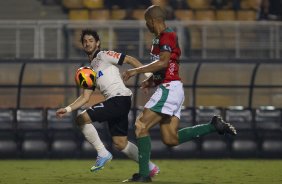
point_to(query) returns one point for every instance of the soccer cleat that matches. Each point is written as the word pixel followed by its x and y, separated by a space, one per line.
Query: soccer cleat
pixel 138 178
pixel 222 127
pixel 101 162
pixel 154 172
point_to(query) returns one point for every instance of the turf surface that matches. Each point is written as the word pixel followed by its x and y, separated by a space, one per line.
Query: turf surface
pixel 172 171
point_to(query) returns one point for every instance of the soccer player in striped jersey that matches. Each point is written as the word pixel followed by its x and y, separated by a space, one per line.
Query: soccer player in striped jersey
pixel 164 106
pixel 114 109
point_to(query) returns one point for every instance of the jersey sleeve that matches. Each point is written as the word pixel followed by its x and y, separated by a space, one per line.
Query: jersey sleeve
pixel 112 57
pixel 167 42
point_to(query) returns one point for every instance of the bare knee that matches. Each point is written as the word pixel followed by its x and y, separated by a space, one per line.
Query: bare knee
pixel 82 119
pixel 119 143
pixel 170 141
pixel 140 128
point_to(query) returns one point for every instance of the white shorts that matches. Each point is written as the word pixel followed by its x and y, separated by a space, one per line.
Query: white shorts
pixel 167 99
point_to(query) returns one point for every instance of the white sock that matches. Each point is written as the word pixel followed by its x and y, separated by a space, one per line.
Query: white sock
pixel 92 136
pixel 131 151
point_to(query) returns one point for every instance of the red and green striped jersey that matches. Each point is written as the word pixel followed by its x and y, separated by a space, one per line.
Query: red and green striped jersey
pixel 167 41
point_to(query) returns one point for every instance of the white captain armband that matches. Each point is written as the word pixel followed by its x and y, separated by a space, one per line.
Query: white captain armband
pixel 148 74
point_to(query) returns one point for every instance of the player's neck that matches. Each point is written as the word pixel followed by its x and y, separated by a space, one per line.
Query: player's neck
pixel 160 29
pixel 92 55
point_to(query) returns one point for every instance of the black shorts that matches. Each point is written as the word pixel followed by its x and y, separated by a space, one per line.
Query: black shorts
pixel 115 111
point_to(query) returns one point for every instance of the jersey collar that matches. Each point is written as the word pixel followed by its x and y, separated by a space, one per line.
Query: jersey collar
pixel 96 53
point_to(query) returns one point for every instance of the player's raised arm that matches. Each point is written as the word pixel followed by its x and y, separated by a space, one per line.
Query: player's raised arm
pixel 80 101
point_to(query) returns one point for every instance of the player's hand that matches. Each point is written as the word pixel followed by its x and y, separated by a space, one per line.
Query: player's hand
pixel 145 86
pixel 129 73
pixel 61 112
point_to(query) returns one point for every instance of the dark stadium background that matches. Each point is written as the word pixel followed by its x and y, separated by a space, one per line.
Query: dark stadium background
pixel 231 65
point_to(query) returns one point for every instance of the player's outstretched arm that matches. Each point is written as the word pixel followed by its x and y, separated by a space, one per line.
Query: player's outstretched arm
pixel 80 101
pixel 135 63
pixel 152 67
pixel 132 61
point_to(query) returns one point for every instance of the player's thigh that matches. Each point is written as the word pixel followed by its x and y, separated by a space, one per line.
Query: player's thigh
pixel 119 126
pixel 119 129
pixel 99 112
pixel 83 118
pixel 149 118
pixel 169 129
pixel 112 108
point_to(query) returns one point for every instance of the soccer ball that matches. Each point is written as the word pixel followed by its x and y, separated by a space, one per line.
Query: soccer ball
pixel 85 77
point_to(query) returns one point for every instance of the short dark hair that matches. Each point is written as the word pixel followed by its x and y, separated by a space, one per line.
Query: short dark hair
pixel 155 12
pixel 89 32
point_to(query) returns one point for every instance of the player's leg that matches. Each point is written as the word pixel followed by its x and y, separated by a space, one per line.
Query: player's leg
pixel 119 129
pixel 152 114
pixel 119 142
pixel 170 134
pixel 91 135
pixel 172 137
pixel 104 112
pixel 131 151
pixel 217 124
pixel 113 108
pixel 143 123
pixel 122 144
pixel 169 128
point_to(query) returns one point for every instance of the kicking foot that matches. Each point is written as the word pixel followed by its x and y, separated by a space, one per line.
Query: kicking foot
pixel 101 162
pixel 155 171
pixel 222 127
pixel 138 178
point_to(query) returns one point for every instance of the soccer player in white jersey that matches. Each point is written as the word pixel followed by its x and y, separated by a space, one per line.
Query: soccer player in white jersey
pixel 114 109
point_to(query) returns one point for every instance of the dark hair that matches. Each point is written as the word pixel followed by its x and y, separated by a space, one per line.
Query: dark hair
pixel 89 32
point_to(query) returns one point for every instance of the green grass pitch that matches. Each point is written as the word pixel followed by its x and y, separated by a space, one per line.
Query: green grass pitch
pixel 172 171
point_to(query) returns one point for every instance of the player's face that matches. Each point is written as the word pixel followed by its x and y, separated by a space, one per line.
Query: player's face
pixel 150 24
pixel 89 44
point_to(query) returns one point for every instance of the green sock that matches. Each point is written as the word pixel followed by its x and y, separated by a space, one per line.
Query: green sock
pixel 144 147
pixel 189 133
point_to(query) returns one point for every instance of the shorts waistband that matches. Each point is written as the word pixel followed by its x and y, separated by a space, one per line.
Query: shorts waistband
pixel 171 83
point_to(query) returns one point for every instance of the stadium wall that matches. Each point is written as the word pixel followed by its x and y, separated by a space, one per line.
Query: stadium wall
pixel 208 82
pixel 245 92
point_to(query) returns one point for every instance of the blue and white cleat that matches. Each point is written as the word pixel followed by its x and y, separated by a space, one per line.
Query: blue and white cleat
pixel 101 162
